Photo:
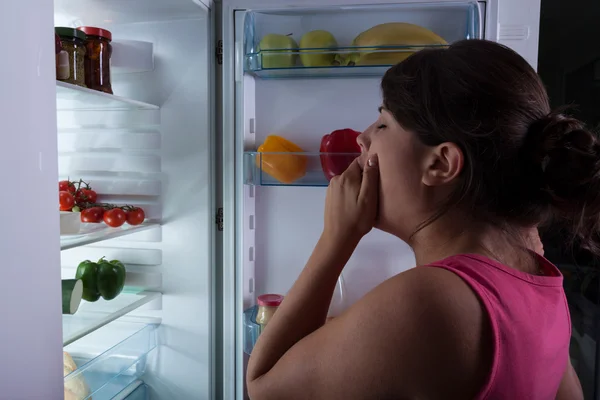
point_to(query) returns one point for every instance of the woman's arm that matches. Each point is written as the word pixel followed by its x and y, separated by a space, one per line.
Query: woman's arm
pixel 350 211
pixel 303 310
pixel 570 387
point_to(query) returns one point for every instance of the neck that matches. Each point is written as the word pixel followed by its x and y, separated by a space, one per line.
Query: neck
pixel 451 235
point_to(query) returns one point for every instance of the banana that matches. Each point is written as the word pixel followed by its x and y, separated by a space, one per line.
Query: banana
pixel 374 41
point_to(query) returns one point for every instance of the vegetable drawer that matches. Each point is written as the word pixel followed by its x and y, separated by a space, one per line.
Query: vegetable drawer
pixel 102 374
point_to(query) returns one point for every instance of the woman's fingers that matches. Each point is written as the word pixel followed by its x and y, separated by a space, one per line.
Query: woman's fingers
pixel 353 172
pixel 351 202
pixel 370 181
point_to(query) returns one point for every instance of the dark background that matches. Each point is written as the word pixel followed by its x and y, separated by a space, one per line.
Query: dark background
pixel 569 64
pixel 569 54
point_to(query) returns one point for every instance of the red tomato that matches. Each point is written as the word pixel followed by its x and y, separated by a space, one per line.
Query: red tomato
pixel 92 215
pixel 115 217
pixel 339 141
pixel 135 216
pixel 84 195
pixel 66 186
pixel 65 201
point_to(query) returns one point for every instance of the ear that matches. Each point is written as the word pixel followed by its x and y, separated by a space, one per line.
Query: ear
pixel 443 164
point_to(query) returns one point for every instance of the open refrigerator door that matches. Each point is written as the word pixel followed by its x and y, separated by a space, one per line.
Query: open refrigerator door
pixel 294 72
pixel 149 145
pixel 141 138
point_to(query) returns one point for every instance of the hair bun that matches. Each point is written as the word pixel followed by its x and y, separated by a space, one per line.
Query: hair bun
pixel 556 135
pixel 568 156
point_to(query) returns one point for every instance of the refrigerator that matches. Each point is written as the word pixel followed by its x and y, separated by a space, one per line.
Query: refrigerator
pixel 193 100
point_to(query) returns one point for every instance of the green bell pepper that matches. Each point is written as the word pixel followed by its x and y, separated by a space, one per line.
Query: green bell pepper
pixel 103 278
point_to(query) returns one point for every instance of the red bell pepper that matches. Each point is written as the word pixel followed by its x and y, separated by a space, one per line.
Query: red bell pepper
pixel 339 141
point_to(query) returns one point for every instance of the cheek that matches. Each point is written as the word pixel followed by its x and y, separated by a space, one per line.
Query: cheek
pixel 399 179
pixel 399 162
pixel 400 190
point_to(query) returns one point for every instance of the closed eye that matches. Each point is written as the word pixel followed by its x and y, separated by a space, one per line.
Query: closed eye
pixel 381 126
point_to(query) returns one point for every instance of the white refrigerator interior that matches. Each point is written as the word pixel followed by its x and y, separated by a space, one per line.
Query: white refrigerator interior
pixel 276 225
pixel 150 145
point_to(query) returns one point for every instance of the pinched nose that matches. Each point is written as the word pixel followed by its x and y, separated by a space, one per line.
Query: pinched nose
pixel 362 159
pixel 364 139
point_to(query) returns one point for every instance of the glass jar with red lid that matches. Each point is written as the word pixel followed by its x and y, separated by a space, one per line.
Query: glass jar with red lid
pixel 97 58
pixel 267 305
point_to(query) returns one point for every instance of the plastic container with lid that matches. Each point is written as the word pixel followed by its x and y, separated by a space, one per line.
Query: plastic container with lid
pixel 97 58
pixel 73 43
pixel 267 305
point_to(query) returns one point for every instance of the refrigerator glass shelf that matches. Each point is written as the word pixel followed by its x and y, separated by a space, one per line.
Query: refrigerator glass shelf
pixel 296 169
pixel 92 233
pixel 379 62
pixel 106 367
pixel 432 25
pixel 73 97
pixel 92 316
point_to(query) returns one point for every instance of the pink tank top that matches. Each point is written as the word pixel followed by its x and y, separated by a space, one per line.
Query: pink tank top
pixel 530 324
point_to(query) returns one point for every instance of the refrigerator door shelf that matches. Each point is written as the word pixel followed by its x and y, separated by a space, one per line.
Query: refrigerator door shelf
pixel 378 68
pixel 448 21
pixel 107 373
pixel 274 169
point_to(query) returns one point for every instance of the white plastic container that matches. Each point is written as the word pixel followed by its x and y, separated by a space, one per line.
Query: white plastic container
pixel 130 56
pixel 70 222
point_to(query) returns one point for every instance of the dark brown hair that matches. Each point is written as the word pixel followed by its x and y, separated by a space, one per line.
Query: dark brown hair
pixel 524 164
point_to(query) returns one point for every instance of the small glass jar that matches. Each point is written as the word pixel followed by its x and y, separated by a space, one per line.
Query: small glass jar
pixel 73 43
pixel 267 305
pixel 97 58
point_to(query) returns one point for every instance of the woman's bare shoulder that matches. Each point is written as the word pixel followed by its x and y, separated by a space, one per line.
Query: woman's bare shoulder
pixel 440 324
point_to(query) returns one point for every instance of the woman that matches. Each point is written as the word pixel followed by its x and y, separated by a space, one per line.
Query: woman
pixel 465 157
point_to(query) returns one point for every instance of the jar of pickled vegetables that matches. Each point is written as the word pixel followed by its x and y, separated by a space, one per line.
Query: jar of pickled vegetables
pixel 267 305
pixel 97 58
pixel 73 43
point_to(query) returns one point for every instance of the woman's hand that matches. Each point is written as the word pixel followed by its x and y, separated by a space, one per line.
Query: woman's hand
pixel 351 203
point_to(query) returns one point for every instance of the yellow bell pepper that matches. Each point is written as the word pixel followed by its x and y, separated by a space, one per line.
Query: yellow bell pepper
pixel 286 168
